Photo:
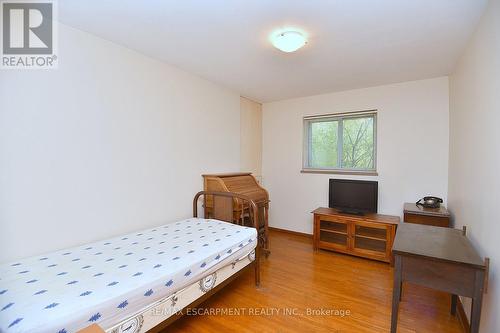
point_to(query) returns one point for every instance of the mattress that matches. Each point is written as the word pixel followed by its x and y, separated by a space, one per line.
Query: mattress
pixel 110 280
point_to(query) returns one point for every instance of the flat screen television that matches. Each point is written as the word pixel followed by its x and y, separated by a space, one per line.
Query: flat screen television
pixel 353 196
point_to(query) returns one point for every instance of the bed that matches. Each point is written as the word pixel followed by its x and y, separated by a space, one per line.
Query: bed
pixel 132 283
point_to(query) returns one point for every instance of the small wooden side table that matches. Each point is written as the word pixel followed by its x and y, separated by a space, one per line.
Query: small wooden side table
pixel 442 259
pixel 439 217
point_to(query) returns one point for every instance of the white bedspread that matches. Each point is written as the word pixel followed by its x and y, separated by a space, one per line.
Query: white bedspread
pixel 107 281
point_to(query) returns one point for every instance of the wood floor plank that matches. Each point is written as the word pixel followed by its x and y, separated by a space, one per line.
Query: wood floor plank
pixel 295 279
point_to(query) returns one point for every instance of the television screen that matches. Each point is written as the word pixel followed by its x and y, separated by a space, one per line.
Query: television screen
pixel 353 196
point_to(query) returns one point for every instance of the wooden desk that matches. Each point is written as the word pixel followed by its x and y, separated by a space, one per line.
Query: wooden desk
pixel 438 258
pixel 246 184
pixel 439 217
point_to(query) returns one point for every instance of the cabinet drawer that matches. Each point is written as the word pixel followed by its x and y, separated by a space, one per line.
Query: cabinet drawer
pixel 427 220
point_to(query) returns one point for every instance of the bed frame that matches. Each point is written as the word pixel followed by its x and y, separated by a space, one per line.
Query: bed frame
pixel 223 210
pixel 196 293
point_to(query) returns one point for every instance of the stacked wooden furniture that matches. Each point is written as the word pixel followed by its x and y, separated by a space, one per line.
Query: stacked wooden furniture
pixel 243 183
pixel 438 217
pixel 369 236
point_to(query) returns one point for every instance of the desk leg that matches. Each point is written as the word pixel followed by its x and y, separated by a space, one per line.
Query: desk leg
pixel 453 309
pixel 477 301
pixel 396 293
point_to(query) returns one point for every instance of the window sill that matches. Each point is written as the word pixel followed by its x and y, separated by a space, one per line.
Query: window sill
pixel 340 172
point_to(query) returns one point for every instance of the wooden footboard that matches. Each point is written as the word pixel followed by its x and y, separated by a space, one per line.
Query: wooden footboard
pixel 223 210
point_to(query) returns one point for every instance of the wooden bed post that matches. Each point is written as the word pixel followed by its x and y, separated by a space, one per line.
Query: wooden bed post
pixel 254 215
pixel 256 223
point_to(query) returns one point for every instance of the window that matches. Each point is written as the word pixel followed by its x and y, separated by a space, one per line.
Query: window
pixel 340 143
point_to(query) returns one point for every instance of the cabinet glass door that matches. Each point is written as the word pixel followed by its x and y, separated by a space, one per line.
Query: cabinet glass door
pixel 334 233
pixel 370 239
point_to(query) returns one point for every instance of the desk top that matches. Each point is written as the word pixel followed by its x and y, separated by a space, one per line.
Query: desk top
pixel 413 208
pixel 228 174
pixel 436 243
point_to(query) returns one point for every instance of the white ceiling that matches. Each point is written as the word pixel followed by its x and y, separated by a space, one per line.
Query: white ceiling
pixel 352 43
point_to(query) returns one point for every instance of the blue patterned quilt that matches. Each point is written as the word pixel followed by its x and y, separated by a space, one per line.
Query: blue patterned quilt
pixel 107 281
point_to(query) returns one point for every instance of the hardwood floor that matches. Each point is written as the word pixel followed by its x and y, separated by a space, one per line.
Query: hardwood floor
pixel 296 279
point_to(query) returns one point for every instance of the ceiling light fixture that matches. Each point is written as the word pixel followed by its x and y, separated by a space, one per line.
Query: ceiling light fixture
pixel 288 40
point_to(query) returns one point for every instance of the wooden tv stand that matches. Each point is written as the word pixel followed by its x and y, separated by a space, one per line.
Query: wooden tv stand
pixel 369 236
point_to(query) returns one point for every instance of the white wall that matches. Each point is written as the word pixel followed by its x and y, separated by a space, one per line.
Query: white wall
pixel 474 181
pixel 251 136
pixel 412 148
pixel 111 142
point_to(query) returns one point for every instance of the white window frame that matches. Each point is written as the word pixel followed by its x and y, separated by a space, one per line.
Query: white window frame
pixel 337 117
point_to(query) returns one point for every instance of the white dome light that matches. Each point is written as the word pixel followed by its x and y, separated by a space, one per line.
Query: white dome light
pixel 288 41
